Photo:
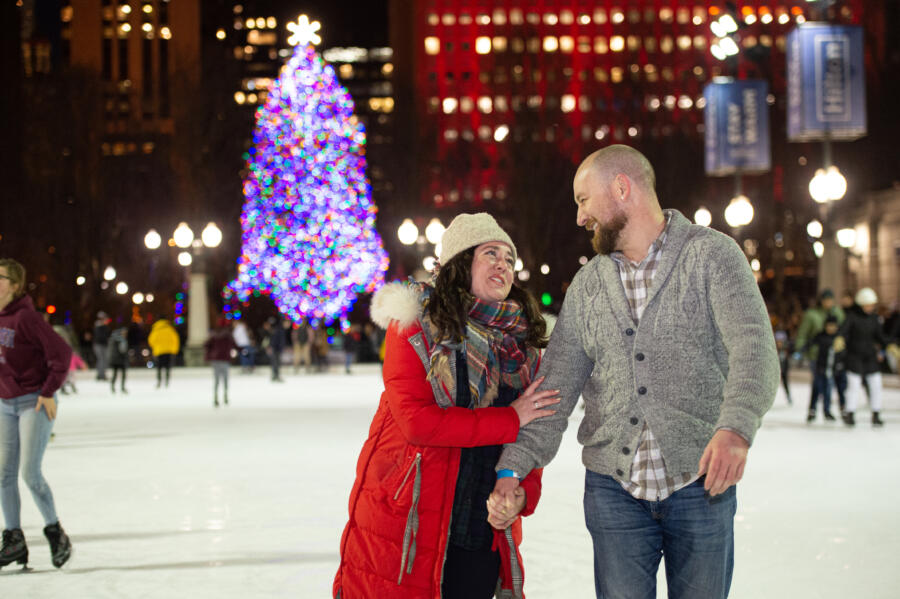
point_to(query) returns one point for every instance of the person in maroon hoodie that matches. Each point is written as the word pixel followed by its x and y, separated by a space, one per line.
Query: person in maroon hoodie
pixel 34 362
pixel 218 353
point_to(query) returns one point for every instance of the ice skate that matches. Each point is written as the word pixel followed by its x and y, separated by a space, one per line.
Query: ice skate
pixel 876 419
pixel 14 548
pixel 60 546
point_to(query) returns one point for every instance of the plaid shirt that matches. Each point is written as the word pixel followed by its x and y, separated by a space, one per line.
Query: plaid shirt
pixel 649 478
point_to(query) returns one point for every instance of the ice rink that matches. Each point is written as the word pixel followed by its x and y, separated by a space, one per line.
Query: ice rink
pixel 165 496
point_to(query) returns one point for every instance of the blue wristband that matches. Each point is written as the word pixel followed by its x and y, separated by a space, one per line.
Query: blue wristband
pixel 508 473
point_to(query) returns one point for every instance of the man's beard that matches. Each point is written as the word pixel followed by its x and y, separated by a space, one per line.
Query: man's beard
pixel 606 237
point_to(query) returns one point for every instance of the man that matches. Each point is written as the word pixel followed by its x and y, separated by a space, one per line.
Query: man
pixel 666 336
pixel 101 340
pixel 812 324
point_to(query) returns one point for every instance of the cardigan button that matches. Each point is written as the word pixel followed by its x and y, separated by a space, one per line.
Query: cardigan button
pixel 619 472
pixel 642 390
pixel 629 332
pixel 634 420
pixel 640 357
pixel 626 451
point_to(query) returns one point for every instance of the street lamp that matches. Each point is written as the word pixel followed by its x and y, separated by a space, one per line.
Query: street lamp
pixel 211 236
pixel 434 231
pixel 408 232
pixel 109 274
pixel 846 238
pixel 183 235
pixel 828 185
pixel 739 212
pixel 703 217
pixel 814 229
pixel 152 239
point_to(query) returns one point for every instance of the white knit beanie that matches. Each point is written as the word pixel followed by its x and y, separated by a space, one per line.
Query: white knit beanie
pixel 470 230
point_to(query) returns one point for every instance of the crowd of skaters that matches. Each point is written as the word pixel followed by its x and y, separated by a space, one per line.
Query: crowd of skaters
pixel 848 344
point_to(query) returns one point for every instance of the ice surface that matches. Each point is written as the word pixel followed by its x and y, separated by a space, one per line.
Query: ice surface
pixel 165 496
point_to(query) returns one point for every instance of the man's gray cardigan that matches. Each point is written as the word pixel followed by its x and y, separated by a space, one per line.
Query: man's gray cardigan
pixel 702 358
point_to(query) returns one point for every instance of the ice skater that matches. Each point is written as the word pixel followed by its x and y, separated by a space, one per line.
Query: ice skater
pixel 458 357
pixel 829 361
pixel 218 349
pixel 164 345
pixel 34 362
pixel 865 342
pixel 666 335
pixel 117 356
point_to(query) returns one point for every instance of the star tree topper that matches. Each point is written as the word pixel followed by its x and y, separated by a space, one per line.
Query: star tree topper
pixel 304 32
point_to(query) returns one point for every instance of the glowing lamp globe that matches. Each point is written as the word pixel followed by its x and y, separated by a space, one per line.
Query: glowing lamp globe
pixel 739 212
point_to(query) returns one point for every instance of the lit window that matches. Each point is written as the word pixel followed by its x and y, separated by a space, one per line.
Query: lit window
pixel 698 71
pixel 448 19
pixel 250 23
pixel 616 73
pixel 699 42
pixel 450 134
pixel 684 15
pixel 765 40
pixel 665 15
pixel 432 45
pixel 147 27
pixel 780 43
pixel 147 8
pixel 599 16
pixel 699 15
pixel 533 18
pixel 468 136
pixel 634 43
pixel 251 98
pixel 240 97
pixel 534 101
pixel 485 132
pixel 684 42
pixel 568 103
pixel 271 22
pixel 633 131
pixel 600 74
pixel 649 15
pixel 499 17
pixel 650 44
pixel 433 104
pixel 551 44
pixel 346 71
pixel 584 104
pixel 125 27
pixel 534 45
pixel 700 103
pixel 749 41
pixel 653 103
pixel 466 105
pixel 584 19
pixel 165 33
pixel 684 102
pixel 483 45
pixel 766 18
pixel 484 104
pixel 515 16
pixel 668 74
pixel 566 43
pixel 66 14
pixel 670 102
pixel 465 19
pixel 665 44
pixel 499 44
pixel 617 16
pixel 124 9
pixel 600 46
pixel 500 104
pixel 518 45
pixel 238 24
pixel 566 17
pixel 433 19
pixel 450 105
pixel 584 44
pixel 260 23
pixel 750 19
pixel 617 43
pixel 551 19
pixel 387 68
pixel 220 34
pixel 483 19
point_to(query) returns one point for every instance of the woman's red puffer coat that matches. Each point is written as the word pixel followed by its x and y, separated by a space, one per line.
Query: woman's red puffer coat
pixel 394 543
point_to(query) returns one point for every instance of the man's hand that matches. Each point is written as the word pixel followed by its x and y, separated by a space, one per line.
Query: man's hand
pixel 723 461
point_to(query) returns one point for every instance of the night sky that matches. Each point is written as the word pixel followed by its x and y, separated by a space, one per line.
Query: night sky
pixel 344 22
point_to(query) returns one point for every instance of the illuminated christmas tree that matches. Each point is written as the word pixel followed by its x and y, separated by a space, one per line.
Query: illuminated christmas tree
pixel 309 238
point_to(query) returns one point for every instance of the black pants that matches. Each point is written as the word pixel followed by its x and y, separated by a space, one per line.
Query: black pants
pixel 470 574
pixel 163 362
pixel 116 370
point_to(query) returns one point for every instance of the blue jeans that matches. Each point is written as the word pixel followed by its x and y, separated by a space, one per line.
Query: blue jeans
pixel 822 385
pixel 24 435
pixel 693 531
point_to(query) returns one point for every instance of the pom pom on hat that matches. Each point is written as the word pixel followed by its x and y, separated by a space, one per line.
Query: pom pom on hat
pixel 470 230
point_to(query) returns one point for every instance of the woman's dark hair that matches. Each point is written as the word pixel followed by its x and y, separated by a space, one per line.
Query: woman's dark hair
pixel 451 300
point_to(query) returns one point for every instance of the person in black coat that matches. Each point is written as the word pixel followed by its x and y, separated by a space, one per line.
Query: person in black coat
pixel 277 341
pixel 865 343
pixel 828 363
pixel 117 355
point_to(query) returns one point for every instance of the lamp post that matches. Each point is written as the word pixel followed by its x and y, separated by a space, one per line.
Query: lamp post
pixel 409 235
pixel 192 255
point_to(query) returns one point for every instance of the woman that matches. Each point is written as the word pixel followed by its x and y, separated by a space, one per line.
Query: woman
pixel 164 343
pixel 34 362
pixel 218 349
pixel 458 355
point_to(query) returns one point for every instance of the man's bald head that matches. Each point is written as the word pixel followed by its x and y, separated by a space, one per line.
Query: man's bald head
pixel 618 159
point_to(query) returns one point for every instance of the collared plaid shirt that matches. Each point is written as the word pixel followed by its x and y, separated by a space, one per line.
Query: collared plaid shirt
pixel 649 478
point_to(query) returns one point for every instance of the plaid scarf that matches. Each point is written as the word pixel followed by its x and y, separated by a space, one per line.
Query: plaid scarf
pixel 495 350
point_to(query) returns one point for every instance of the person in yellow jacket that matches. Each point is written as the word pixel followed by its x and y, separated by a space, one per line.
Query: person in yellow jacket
pixel 164 344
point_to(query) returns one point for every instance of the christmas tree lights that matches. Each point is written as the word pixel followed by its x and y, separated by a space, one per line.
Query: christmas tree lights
pixel 309 238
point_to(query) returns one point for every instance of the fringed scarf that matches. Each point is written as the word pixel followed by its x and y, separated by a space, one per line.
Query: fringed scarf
pixel 495 350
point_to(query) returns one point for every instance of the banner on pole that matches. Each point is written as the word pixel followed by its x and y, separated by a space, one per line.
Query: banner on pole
pixel 826 82
pixel 736 120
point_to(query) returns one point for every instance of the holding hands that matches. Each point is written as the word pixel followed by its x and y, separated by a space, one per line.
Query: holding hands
pixel 505 504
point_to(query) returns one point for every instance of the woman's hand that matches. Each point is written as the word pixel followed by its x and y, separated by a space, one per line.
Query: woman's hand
pixel 502 513
pixel 49 405
pixel 530 404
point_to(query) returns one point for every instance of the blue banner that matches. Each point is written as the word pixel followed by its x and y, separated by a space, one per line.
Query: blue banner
pixel 826 82
pixel 736 120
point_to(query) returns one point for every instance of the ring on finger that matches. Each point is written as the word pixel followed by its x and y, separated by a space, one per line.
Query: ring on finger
pixel 536 405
